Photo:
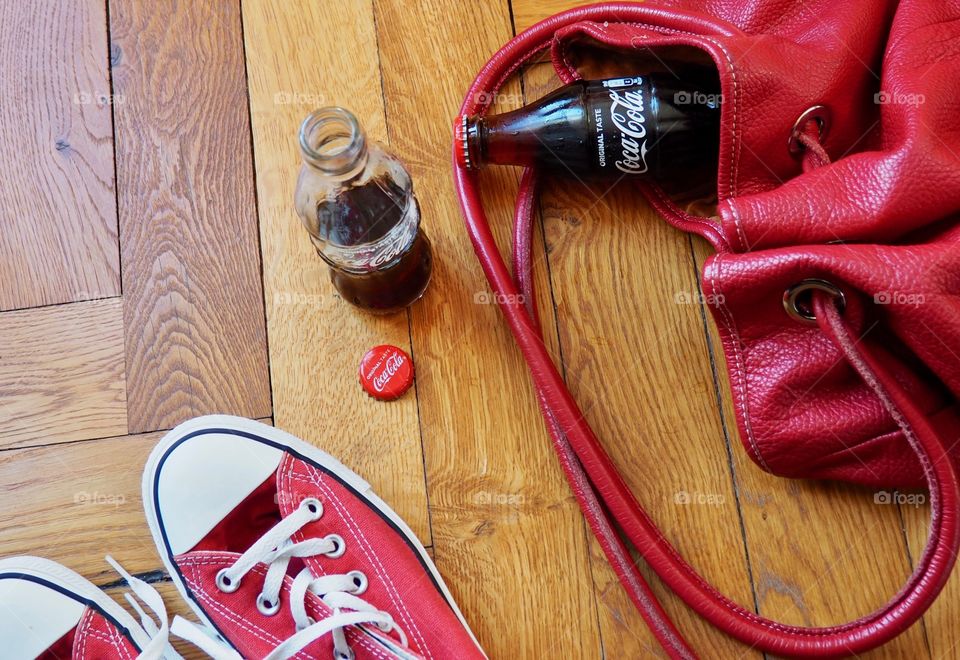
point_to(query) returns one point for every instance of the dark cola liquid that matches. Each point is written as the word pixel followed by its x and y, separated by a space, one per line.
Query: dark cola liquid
pixel 393 286
pixel 365 214
pixel 654 126
pixel 362 214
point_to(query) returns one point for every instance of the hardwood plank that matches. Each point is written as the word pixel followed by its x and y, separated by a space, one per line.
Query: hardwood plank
pixel 600 244
pixel 811 543
pixel 528 12
pixel 74 503
pixel 59 238
pixel 61 373
pixel 507 532
pixel 629 348
pixel 940 621
pixel 193 304
pixel 317 339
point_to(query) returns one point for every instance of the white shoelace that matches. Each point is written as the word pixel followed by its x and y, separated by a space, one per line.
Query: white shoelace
pixel 158 647
pixel 339 592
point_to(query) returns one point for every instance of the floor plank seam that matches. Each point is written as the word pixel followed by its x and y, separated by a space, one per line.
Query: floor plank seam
pixel 80 301
pixel 158 576
pixel 65 443
pixel 256 207
pixel 113 139
pixel 727 435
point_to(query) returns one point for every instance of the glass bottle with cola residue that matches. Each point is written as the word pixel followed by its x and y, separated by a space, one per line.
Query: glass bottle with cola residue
pixel 356 201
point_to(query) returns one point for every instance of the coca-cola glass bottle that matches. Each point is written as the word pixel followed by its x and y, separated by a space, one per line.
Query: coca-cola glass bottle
pixel 356 201
pixel 658 125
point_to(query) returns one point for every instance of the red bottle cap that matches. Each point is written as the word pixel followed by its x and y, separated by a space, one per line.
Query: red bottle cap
pixel 461 149
pixel 386 372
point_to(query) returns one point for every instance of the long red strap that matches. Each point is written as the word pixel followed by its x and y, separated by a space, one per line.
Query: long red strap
pixel 595 480
pixel 601 525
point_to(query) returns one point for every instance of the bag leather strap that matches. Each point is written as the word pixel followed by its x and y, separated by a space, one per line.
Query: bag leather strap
pixel 607 502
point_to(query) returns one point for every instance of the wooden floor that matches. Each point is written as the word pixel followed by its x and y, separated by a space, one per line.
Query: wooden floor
pixel 152 269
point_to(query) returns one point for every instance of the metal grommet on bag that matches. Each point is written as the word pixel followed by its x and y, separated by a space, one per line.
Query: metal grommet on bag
pixel 818 113
pixel 793 302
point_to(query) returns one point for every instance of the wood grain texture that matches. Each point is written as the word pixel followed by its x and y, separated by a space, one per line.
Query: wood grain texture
pixel 75 503
pixel 940 621
pixel 528 12
pixel 59 238
pixel 636 361
pixel 61 373
pixel 297 61
pixel 508 535
pixel 193 302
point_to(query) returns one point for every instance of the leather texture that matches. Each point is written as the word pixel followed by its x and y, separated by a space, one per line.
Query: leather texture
pixel 867 395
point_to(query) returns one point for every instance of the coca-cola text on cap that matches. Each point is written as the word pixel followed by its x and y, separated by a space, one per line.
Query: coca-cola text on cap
pixel 386 372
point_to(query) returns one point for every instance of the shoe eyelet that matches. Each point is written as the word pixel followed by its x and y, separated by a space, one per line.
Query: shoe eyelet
pixel 266 607
pixel 341 546
pixel 225 583
pixel 344 655
pixel 360 582
pixel 798 310
pixel 314 506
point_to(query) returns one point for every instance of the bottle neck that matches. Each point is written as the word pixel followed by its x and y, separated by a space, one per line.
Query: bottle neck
pixel 495 140
pixel 542 130
pixel 332 141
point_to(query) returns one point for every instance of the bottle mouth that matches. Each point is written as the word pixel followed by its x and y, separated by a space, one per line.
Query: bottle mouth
pixel 331 139
pixel 461 142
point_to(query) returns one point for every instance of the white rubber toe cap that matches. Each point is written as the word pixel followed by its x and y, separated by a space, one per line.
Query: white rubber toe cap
pixel 34 617
pixel 201 474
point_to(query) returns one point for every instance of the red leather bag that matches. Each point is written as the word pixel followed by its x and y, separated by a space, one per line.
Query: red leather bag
pixel 835 280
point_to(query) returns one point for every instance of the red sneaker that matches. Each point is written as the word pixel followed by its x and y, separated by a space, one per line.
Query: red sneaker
pixel 284 552
pixel 49 612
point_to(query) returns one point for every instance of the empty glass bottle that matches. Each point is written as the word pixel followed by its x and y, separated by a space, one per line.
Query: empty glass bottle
pixel 357 203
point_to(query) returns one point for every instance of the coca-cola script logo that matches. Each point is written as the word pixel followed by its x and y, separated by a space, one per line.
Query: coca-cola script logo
pixel 390 367
pixel 626 112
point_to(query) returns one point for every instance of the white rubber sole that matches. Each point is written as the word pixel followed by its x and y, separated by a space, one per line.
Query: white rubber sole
pixel 60 575
pixel 298 446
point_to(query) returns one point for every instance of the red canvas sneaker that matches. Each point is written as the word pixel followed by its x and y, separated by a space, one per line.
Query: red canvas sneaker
pixel 49 612
pixel 284 552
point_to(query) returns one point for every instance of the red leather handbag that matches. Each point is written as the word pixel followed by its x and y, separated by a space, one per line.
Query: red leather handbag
pixel 836 273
